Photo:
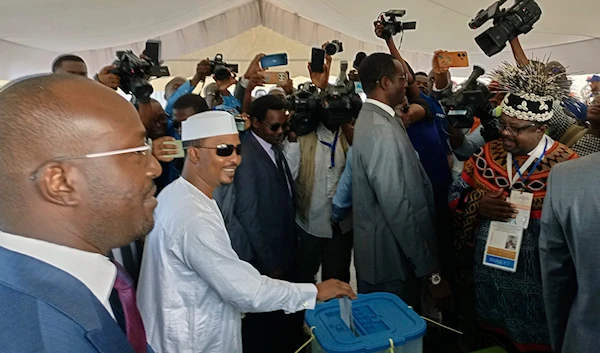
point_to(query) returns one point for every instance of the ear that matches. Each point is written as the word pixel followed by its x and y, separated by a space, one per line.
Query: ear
pixel 543 128
pixel 255 122
pixel 57 183
pixel 384 82
pixel 193 155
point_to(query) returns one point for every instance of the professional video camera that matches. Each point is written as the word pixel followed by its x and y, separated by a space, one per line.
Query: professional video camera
pixel 135 73
pixel 508 24
pixel 218 67
pixel 470 101
pixel 336 105
pixel 391 25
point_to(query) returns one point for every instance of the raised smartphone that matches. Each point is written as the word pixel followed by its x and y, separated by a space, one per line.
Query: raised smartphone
pixel 317 59
pixel 274 60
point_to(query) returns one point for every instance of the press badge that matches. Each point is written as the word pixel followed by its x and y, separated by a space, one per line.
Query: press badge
pixel 522 202
pixel 503 246
pixel 332 180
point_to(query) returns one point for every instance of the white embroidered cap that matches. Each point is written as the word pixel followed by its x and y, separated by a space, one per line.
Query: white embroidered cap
pixel 208 124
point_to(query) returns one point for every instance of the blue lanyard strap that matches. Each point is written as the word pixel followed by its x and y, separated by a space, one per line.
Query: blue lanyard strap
pixel 332 146
pixel 537 163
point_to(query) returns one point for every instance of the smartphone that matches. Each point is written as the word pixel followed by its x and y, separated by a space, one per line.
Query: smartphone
pixel 275 78
pixel 317 59
pixel 240 124
pixel 153 48
pixel 179 153
pixel 274 60
pixel 453 59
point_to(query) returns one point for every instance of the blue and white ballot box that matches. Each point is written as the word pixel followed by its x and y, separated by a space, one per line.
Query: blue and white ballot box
pixel 378 319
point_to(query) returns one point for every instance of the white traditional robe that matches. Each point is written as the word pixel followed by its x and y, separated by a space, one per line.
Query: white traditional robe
pixel 193 287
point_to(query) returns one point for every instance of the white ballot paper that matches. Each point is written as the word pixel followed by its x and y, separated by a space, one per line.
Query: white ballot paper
pixel 346 313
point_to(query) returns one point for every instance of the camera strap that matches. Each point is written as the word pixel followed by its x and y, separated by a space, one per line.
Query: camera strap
pixel 332 146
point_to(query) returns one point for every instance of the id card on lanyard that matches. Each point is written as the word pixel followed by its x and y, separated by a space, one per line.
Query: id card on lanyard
pixel 332 176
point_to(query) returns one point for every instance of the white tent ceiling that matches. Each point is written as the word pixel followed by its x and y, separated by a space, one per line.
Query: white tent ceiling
pixel 34 32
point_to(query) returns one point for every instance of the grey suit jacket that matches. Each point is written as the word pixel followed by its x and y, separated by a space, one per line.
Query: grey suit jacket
pixel 569 255
pixel 392 202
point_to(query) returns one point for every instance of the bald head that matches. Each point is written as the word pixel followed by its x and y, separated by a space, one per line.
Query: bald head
pixel 47 123
pixel 173 85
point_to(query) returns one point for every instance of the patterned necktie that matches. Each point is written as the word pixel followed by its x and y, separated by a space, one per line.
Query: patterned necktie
pixel 134 326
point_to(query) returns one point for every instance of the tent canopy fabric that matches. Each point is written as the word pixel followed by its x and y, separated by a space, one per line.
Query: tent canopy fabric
pixel 34 32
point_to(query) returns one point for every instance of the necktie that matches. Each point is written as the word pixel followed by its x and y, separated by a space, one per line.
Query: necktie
pixel 280 164
pixel 134 327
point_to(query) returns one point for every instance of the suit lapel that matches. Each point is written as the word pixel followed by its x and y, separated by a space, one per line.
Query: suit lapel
pixel 266 160
pixel 67 294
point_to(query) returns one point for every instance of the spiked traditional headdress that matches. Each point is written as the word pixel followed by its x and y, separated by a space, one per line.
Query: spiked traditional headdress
pixel 532 90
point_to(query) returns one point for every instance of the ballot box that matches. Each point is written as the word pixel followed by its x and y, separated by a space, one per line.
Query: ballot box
pixel 378 319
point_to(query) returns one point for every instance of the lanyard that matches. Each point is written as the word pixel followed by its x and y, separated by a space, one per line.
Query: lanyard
pixel 332 146
pixel 520 171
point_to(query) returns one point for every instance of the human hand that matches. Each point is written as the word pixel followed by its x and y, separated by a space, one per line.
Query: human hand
pixel 493 206
pixel 254 66
pixel 160 150
pixel 203 69
pixel 256 80
pixel 288 86
pixel 247 120
pixel 223 85
pixel 107 78
pixel 292 136
pixel 436 64
pixel 333 288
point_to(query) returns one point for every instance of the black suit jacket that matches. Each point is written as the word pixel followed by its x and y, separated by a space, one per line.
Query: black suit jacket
pixel 265 208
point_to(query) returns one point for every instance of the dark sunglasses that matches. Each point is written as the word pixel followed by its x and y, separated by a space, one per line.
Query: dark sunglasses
pixel 276 127
pixel 226 150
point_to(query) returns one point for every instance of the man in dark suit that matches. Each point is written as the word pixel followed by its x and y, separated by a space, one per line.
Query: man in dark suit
pixel 79 184
pixel 569 251
pixel 265 208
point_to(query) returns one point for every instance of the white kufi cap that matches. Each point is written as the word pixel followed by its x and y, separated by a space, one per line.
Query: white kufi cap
pixel 208 124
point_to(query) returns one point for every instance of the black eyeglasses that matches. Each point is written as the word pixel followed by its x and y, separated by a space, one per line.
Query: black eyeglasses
pixel 512 131
pixel 225 150
pixel 276 127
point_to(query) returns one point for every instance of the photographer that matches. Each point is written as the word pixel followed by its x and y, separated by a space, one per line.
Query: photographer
pixel 73 64
pixel 317 161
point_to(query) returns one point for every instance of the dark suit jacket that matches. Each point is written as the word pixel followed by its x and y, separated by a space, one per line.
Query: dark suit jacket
pixel 569 253
pixel 265 208
pixel 46 310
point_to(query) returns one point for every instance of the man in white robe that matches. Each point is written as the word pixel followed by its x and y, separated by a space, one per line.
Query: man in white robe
pixel 193 287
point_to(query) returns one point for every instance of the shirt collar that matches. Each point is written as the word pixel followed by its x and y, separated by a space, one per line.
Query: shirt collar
pixel 265 145
pixel 95 271
pixel 383 106
pixel 539 149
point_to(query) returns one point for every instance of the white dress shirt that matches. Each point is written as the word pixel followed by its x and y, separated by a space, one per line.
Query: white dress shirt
pixel 318 221
pixel 387 108
pixel 271 152
pixel 95 271
pixel 194 288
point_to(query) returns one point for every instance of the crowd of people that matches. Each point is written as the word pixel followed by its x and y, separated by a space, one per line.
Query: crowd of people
pixel 109 243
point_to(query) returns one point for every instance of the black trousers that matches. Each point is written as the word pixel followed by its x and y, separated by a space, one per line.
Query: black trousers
pixel 333 254
pixel 274 332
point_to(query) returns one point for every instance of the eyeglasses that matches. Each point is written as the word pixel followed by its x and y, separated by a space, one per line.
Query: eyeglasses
pixel 402 78
pixel 276 127
pixel 225 150
pixel 145 150
pixel 512 131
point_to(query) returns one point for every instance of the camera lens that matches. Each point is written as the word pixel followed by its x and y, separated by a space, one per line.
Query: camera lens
pixel 332 48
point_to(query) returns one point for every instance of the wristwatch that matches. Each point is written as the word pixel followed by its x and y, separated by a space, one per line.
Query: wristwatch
pixel 435 278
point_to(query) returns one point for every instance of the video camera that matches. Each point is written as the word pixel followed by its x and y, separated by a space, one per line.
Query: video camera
pixel 335 106
pixel 135 73
pixel 470 101
pixel 508 24
pixel 391 25
pixel 218 67
pixel 334 47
